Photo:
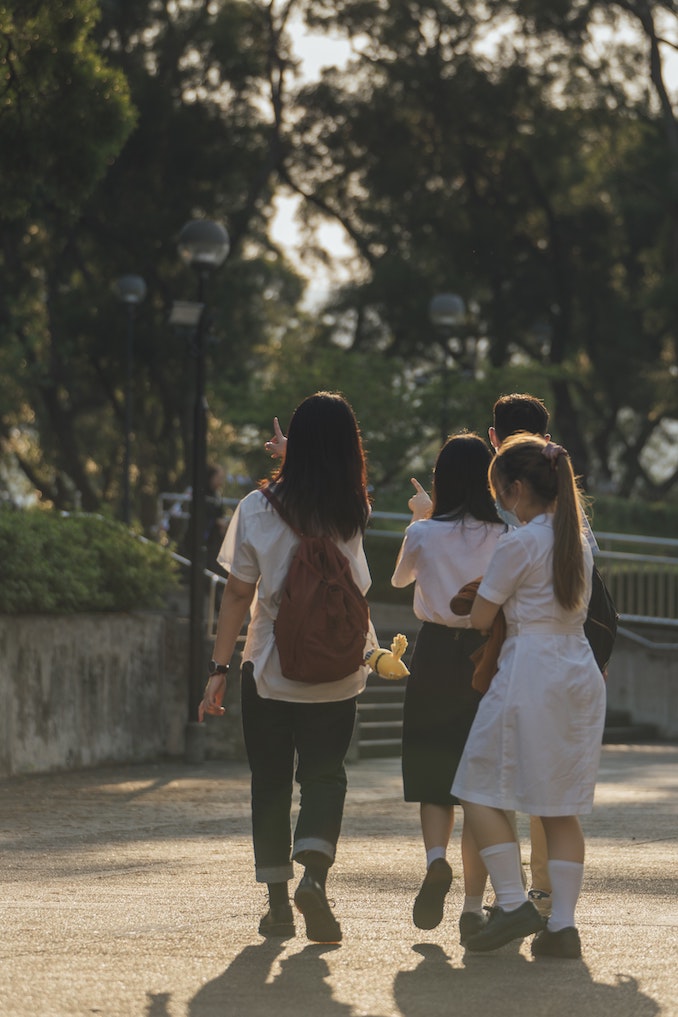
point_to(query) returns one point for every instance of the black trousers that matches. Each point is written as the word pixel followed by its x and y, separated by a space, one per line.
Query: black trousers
pixel 318 735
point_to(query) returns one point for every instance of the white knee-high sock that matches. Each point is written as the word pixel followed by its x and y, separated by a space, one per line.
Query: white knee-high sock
pixel 474 904
pixel 502 861
pixel 566 880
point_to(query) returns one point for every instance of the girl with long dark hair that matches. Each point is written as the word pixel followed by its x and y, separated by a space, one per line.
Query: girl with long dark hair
pixel 440 554
pixel 322 487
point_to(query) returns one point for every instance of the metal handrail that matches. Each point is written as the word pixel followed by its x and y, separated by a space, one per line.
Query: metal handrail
pixel 643 641
pixel 661 573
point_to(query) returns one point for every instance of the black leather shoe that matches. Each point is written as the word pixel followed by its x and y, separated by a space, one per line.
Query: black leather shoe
pixel 278 921
pixel 427 912
pixel 321 925
pixel 470 924
pixel 564 943
pixel 503 926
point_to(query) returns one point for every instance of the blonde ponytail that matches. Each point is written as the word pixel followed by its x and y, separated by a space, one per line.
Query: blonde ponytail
pixel 569 580
pixel 547 469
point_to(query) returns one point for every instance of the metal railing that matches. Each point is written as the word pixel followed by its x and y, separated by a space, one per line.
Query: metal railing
pixel 643 585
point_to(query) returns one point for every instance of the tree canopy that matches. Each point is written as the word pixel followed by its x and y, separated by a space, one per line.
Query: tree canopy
pixel 511 152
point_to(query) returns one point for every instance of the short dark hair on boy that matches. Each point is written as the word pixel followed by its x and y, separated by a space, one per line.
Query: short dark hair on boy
pixel 519 412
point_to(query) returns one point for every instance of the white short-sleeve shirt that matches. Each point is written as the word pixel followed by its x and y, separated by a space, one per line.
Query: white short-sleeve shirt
pixel 258 548
pixel 440 556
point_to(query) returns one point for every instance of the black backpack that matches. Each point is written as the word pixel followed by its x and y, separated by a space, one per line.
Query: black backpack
pixel 600 627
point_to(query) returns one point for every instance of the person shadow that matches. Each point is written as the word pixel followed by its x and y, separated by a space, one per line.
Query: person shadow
pixel 259 982
pixel 506 982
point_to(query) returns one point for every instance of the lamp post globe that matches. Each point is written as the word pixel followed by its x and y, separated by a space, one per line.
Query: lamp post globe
pixel 204 245
pixel 446 310
pixel 130 291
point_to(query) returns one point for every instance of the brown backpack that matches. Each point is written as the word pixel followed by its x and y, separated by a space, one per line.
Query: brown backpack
pixel 322 623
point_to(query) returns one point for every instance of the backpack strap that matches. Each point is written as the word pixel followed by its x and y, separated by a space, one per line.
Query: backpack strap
pixel 275 502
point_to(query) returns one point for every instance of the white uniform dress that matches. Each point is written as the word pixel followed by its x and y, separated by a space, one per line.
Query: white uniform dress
pixel 535 742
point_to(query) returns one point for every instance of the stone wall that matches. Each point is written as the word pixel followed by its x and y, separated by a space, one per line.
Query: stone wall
pixel 84 690
pixel 644 682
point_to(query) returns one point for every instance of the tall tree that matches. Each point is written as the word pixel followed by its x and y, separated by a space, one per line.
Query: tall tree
pixel 204 144
pixel 505 178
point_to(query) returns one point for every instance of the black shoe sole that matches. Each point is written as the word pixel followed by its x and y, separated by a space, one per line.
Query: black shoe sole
pixel 321 926
pixel 429 904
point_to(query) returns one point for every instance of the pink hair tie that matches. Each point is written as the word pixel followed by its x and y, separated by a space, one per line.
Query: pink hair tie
pixel 552 452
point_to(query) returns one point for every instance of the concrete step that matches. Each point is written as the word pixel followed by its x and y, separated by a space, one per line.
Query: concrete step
pixel 380 749
pixel 630 734
pixel 617 718
pixel 380 730
pixel 380 711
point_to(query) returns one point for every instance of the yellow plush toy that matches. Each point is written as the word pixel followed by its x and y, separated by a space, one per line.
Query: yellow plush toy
pixel 387 663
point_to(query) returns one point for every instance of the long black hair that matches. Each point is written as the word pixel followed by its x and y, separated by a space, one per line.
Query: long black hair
pixel 460 486
pixel 322 481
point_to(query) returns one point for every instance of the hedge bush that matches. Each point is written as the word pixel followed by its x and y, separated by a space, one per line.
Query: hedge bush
pixel 54 564
pixel 628 515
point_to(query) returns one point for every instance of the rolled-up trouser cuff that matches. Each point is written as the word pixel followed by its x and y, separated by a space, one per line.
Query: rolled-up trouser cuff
pixel 274 873
pixel 325 847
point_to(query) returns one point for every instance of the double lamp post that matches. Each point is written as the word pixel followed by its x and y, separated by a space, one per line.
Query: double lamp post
pixel 204 245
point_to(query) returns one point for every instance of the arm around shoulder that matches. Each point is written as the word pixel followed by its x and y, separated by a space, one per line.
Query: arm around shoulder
pixel 483 613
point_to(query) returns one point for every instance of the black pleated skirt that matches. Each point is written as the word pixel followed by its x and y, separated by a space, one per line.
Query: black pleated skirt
pixel 440 705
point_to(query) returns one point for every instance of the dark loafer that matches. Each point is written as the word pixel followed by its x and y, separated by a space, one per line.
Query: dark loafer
pixel 504 926
pixel 278 921
pixel 427 912
pixel 321 925
pixel 563 943
pixel 470 924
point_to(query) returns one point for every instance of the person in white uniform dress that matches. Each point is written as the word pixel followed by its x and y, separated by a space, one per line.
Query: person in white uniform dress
pixel 535 742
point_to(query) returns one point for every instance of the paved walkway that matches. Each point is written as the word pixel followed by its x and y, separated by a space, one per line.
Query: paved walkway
pixel 128 892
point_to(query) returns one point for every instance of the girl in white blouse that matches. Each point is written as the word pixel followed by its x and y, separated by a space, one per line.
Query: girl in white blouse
pixel 440 554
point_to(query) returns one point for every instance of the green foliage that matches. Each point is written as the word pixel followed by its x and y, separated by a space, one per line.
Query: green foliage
pixel 62 565
pixel 64 112
pixel 536 181
pixel 538 211
pixel 202 146
pixel 629 515
pixel 381 553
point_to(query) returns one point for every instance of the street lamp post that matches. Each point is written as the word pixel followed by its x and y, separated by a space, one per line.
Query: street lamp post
pixel 204 245
pixel 445 311
pixel 130 291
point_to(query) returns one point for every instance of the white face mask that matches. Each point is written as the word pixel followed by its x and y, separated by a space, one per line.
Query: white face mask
pixel 507 516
